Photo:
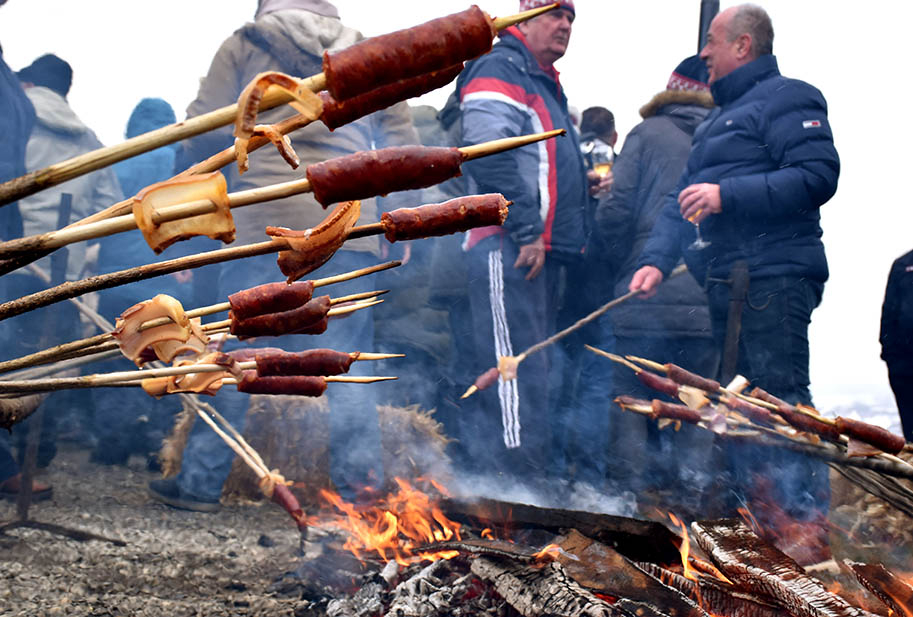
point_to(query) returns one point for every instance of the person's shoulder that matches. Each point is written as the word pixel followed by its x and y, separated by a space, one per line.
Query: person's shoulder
pixel 787 89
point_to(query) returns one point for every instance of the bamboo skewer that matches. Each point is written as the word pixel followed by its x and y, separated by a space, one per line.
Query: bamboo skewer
pixel 223 326
pixel 67 170
pixel 53 353
pixel 513 361
pixel 126 222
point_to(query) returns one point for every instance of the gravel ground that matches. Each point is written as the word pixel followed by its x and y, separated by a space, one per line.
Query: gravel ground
pixel 174 562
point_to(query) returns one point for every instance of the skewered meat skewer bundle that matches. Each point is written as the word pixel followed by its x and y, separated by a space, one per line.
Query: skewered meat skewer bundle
pixel 66 170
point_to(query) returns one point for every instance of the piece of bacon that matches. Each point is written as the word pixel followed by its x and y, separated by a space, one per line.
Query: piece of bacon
pixel 882 439
pixel 286 322
pixel 449 217
pixel 311 248
pixel 377 172
pixel 310 362
pixel 218 225
pixel 282 142
pixel 305 102
pixel 198 383
pixel 300 385
pixel 408 53
pixel 133 340
pixel 167 350
pixel 270 298
pixel 338 113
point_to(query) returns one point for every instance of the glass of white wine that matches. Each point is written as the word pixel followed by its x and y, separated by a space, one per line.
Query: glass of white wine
pixel 603 159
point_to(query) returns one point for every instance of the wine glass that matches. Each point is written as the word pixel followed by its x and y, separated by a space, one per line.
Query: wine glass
pixel 602 158
pixel 699 243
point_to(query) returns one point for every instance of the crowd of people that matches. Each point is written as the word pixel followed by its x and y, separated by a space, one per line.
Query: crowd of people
pixel 726 174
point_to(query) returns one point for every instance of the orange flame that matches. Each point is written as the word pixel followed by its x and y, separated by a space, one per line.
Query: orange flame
pixel 684 549
pixel 397 527
pixel 548 550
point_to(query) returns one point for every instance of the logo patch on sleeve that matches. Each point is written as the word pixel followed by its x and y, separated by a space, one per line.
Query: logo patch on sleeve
pixel 811 124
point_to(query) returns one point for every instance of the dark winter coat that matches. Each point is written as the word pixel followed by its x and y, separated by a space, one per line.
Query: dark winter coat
pixel 17 117
pixel 654 155
pixel 506 93
pixel 897 316
pixel 769 147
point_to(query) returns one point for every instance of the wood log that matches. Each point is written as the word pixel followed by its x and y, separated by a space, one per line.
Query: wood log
pixel 635 539
pixel 538 592
pixel 16 409
pixel 754 565
pixel 886 586
pixel 602 569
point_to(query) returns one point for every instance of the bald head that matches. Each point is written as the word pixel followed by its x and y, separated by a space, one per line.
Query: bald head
pixel 737 36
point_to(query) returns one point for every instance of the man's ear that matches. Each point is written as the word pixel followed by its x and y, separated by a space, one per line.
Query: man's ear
pixel 744 45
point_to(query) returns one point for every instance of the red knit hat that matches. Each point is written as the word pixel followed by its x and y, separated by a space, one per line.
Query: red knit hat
pixel 526 5
pixel 690 74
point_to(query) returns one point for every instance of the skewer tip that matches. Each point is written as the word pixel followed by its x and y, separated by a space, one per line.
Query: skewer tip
pixel 511 20
pixel 469 392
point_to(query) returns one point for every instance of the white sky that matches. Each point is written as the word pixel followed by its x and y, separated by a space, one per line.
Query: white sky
pixel 621 54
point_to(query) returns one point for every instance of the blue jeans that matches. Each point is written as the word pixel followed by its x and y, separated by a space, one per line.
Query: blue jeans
pixel 773 354
pixel 355 448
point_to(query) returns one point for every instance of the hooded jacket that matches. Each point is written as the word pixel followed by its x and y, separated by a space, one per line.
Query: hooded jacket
pixel 769 147
pixel 654 155
pixel 291 41
pixel 506 93
pixel 59 135
pixel 17 116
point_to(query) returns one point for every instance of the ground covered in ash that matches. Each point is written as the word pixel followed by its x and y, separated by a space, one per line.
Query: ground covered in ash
pixel 174 562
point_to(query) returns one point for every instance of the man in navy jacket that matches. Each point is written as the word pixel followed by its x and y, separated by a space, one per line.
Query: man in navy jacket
pixel 760 167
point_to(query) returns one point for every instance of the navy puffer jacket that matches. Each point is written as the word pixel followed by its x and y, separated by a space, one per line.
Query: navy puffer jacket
pixel 769 146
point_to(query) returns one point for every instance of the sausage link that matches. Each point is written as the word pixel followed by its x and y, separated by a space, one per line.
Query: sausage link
pixel 407 53
pixel 753 412
pixel 301 385
pixel 662 409
pixel 310 362
pixel 882 439
pixel 276 324
pixel 270 298
pixel 659 383
pixel 377 172
pixel 450 217
pixel 339 113
pixel 687 378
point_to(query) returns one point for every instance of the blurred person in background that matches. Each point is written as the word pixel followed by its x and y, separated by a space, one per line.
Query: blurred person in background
pixel 674 325
pixel 17 117
pixel 896 337
pixel 59 134
pixel 290 36
pixel 128 421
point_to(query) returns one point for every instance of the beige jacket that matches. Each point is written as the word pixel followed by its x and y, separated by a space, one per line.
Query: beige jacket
pixel 287 34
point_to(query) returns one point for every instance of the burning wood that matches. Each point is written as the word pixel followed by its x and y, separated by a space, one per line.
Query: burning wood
pixel 887 587
pixel 757 566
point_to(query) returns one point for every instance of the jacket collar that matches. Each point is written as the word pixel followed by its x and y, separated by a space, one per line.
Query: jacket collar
pixel 676 97
pixel 743 79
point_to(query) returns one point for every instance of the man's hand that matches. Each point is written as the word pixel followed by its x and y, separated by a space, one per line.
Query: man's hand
pixel 532 255
pixel 699 201
pixel 600 185
pixel 646 280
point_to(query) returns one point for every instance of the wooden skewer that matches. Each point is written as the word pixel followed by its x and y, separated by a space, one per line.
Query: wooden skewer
pixel 67 170
pixel 126 222
pixel 133 378
pixel 513 361
pixel 53 353
pixel 333 312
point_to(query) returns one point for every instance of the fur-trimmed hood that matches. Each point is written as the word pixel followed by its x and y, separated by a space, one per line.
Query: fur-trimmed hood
pixel 676 97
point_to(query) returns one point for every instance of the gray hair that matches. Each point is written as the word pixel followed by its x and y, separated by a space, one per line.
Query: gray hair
pixel 753 20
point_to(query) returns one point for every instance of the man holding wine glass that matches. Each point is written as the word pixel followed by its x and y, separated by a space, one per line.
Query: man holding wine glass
pixel 760 167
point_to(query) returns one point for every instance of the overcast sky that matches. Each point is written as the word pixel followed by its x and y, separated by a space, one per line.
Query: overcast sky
pixel 621 53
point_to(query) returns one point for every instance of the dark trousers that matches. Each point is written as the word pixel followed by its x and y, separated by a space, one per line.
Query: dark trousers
pixel 506 428
pixel 774 354
pixel 902 384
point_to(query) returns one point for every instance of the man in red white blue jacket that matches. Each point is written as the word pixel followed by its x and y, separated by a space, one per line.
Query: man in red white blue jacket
pixel 514 269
